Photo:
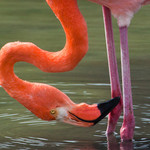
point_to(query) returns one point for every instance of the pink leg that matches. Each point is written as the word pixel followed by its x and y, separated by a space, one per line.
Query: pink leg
pixel 113 71
pixel 127 129
pixel 126 145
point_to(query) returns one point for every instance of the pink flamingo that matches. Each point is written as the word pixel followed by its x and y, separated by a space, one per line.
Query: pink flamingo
pixel 123 11
pixel 47 102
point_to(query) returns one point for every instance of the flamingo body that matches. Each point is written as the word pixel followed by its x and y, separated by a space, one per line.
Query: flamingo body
pixel 123 10
pixel 45 101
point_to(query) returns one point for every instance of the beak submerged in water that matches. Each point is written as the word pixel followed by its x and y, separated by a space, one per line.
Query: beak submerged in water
pixel 88 115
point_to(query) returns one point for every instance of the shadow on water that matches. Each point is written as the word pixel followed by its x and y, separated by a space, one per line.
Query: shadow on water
pixel 32 20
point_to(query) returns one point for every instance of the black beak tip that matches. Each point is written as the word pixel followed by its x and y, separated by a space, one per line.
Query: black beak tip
pixel 106 107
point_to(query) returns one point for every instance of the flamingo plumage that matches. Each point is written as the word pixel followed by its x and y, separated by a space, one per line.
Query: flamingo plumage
pixel 45 101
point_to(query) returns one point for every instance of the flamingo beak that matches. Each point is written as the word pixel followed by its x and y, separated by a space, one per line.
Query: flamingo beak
pixel 106 107
pixel 88 115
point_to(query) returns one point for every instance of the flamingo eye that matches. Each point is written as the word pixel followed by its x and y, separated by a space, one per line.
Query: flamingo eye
pixel 53 112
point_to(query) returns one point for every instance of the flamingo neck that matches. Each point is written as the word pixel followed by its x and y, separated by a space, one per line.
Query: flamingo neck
pixel 64 60
pixel 75 28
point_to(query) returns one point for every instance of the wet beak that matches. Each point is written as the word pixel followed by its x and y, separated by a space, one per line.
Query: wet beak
pixel 88 115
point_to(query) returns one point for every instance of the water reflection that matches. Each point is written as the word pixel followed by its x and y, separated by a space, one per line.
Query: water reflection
pixel 126 145
pixel 112 143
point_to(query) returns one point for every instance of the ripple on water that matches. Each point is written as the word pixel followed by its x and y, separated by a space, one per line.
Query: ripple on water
pixel 142 144
pixel 78 84
pixel 22 117
pixel 68 92
pixel 70 141
pixel 30 141
pixel 3 103
pixel 146 114
pixel 145 120
pixel 6 145
pixel 66 84
pixel 98 84
pixel 38 122
pixel 7 115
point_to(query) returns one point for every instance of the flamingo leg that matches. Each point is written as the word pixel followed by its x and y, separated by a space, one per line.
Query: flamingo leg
pixel 113 71
pixel 127 129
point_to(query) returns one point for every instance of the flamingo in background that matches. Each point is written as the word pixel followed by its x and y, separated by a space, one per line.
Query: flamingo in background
pixel 47 102
pixel 123 11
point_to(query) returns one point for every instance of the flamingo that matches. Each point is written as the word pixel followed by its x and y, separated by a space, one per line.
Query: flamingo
pixel 123 11
pixel 45 101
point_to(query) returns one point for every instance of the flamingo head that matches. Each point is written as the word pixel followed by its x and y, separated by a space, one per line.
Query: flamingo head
pixel 83 114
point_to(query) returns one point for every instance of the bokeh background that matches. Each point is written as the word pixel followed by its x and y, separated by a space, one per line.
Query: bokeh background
pixel 33 21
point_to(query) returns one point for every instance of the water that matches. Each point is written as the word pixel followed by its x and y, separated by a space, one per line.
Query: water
pixel 33 21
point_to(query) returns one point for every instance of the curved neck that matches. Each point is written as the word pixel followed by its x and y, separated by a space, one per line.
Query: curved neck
pixel 75 48
pixel 75 28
